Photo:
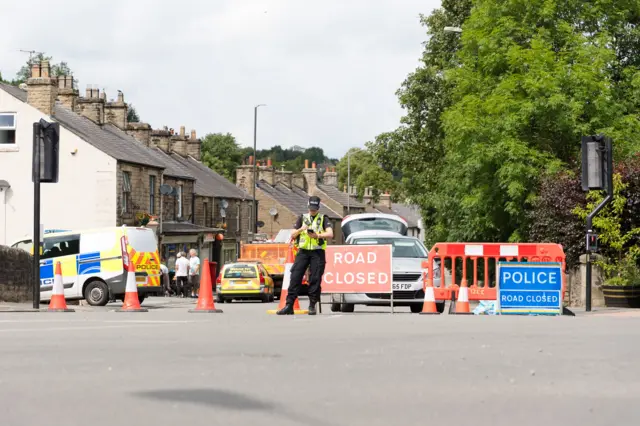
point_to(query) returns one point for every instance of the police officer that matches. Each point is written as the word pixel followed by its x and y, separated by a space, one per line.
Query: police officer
pixel 313 229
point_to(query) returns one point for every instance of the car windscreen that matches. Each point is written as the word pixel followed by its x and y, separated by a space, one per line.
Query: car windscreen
pixel 374 224
pixel 240 270
pixel 142 240
pixel 402 247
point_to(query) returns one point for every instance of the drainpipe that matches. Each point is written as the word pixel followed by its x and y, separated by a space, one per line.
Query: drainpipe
pixel 193 204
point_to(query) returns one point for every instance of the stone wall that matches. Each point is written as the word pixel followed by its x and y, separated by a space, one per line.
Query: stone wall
pixel 285 219
pixel 139 198
pixel 170 203
pixel 16 278
pixel 236 227
pixel 200 211
pixel 576 288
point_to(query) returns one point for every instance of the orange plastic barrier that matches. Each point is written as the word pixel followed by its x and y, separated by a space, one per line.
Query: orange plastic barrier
pixel 484 258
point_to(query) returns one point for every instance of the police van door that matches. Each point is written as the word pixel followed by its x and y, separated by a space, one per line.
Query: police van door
pixel 63 249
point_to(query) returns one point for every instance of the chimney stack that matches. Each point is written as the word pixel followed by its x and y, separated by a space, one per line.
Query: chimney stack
pixel 310 177
pixel 179 143
pixel 67 94
pixel 267 173
pixel 42 90
pixel 385 199
pixel 194 146
pixel 330 178
pixel 140 131
pixel 116 111
pixel 91 106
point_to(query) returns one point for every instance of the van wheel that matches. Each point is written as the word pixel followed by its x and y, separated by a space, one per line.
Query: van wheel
pixel 336 307
pixel 348 307
pixel 141 298
pixel 96 293
pixel 416 308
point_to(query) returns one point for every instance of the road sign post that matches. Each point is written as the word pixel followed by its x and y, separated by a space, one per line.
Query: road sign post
pixel 529 288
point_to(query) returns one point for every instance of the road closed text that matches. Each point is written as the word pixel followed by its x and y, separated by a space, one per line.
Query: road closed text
pixel 357 269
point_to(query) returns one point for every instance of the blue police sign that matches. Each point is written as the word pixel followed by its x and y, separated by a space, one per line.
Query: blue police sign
pixel 530 288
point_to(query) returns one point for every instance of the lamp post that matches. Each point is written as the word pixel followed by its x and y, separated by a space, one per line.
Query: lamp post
pixel 255 160
pixel 348 182
pixel 452 30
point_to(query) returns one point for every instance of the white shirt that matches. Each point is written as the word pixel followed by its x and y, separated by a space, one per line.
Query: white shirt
pixel 182 267
pixel 164 269
pixel 193 262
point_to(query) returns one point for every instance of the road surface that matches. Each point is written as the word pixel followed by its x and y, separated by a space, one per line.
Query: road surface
pixel 244 367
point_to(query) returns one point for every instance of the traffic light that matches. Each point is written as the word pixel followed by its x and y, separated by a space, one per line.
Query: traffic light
pixel 46 150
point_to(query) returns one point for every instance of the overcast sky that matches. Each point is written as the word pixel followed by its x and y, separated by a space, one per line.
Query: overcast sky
pixel 328 71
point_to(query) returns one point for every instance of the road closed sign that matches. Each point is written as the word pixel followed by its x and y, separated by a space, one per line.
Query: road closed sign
pixel 530 288
pixel 358 269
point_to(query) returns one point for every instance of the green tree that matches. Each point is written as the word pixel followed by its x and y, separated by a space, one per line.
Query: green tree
pixel 529 78
pixel 414 152
pixel 365 171
pixel 132 115
pixel 221 153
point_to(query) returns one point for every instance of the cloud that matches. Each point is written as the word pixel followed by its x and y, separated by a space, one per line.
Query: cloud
pixel 328 71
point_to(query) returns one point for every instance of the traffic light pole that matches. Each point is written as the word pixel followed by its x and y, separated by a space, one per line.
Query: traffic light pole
pixel 37 135
pixel 607 150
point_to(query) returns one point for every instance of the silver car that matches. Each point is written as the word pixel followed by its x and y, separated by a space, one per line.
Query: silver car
pixel 408 284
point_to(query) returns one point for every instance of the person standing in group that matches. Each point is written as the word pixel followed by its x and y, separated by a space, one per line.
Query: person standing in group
pixel 182 275
pixel 194 272
pixel 312 230
pixel 164 272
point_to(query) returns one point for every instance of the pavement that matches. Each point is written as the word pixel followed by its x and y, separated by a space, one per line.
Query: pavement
pixel 244 367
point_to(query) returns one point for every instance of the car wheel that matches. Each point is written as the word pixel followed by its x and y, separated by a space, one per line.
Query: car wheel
pixel 272 298
pixel 416 308
pixel 336 307
pixel 264 298
pixel 219 299
pixel 347 307
pixel 96 293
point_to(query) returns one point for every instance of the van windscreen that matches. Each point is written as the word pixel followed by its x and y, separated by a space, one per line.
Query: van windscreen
pixel 142 240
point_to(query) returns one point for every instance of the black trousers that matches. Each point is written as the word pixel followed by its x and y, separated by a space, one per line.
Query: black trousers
pixel 314 260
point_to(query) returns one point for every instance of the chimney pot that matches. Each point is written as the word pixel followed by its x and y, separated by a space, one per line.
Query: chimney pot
pixel 306 164
pixel 182 131
pixel 269 164
pixel 44 69
pixel 193 135
pixel 313 165
pixel 35 70
pixel 251 160
pixel 89 92
pixel 120 97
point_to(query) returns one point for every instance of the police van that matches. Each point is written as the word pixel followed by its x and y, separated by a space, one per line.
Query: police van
pixel 94 263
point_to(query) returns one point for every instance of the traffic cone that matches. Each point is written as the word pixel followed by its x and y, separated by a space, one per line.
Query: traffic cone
pixel 131 301
pixel 205 295
pixel 285 287
pixel 429 307
pixel 58 302
pixel 462 304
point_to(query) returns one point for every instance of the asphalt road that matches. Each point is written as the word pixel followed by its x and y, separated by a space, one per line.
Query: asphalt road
pixel 244 367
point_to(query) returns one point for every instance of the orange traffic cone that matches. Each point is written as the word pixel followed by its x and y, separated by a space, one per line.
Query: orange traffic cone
pixel 205 295
pixel 429 307
pixel 131 301
pixel 462 304
pixel 285 287
pixel 58 302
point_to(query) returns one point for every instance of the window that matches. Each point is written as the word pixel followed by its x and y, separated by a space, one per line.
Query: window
pixel 240 270
pixel 180 201
pixel 126 192
pixel 142 240
pixel 205 207
pixel 402 247
pixel 60 246
pixel 7 128
pixel 152 194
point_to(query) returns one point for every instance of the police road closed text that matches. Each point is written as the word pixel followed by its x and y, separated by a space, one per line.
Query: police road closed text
pixel 526 299
pixel 357 269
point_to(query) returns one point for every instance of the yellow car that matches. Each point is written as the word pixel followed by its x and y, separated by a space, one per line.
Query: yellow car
pixel 244 281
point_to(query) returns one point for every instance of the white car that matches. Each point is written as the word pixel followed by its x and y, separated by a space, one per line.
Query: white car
pixel 408 255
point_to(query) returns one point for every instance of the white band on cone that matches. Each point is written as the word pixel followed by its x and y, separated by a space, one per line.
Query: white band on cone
pixel 463 295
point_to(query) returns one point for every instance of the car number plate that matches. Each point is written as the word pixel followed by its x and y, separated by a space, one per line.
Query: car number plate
pixel 402 286
pixel 141 280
